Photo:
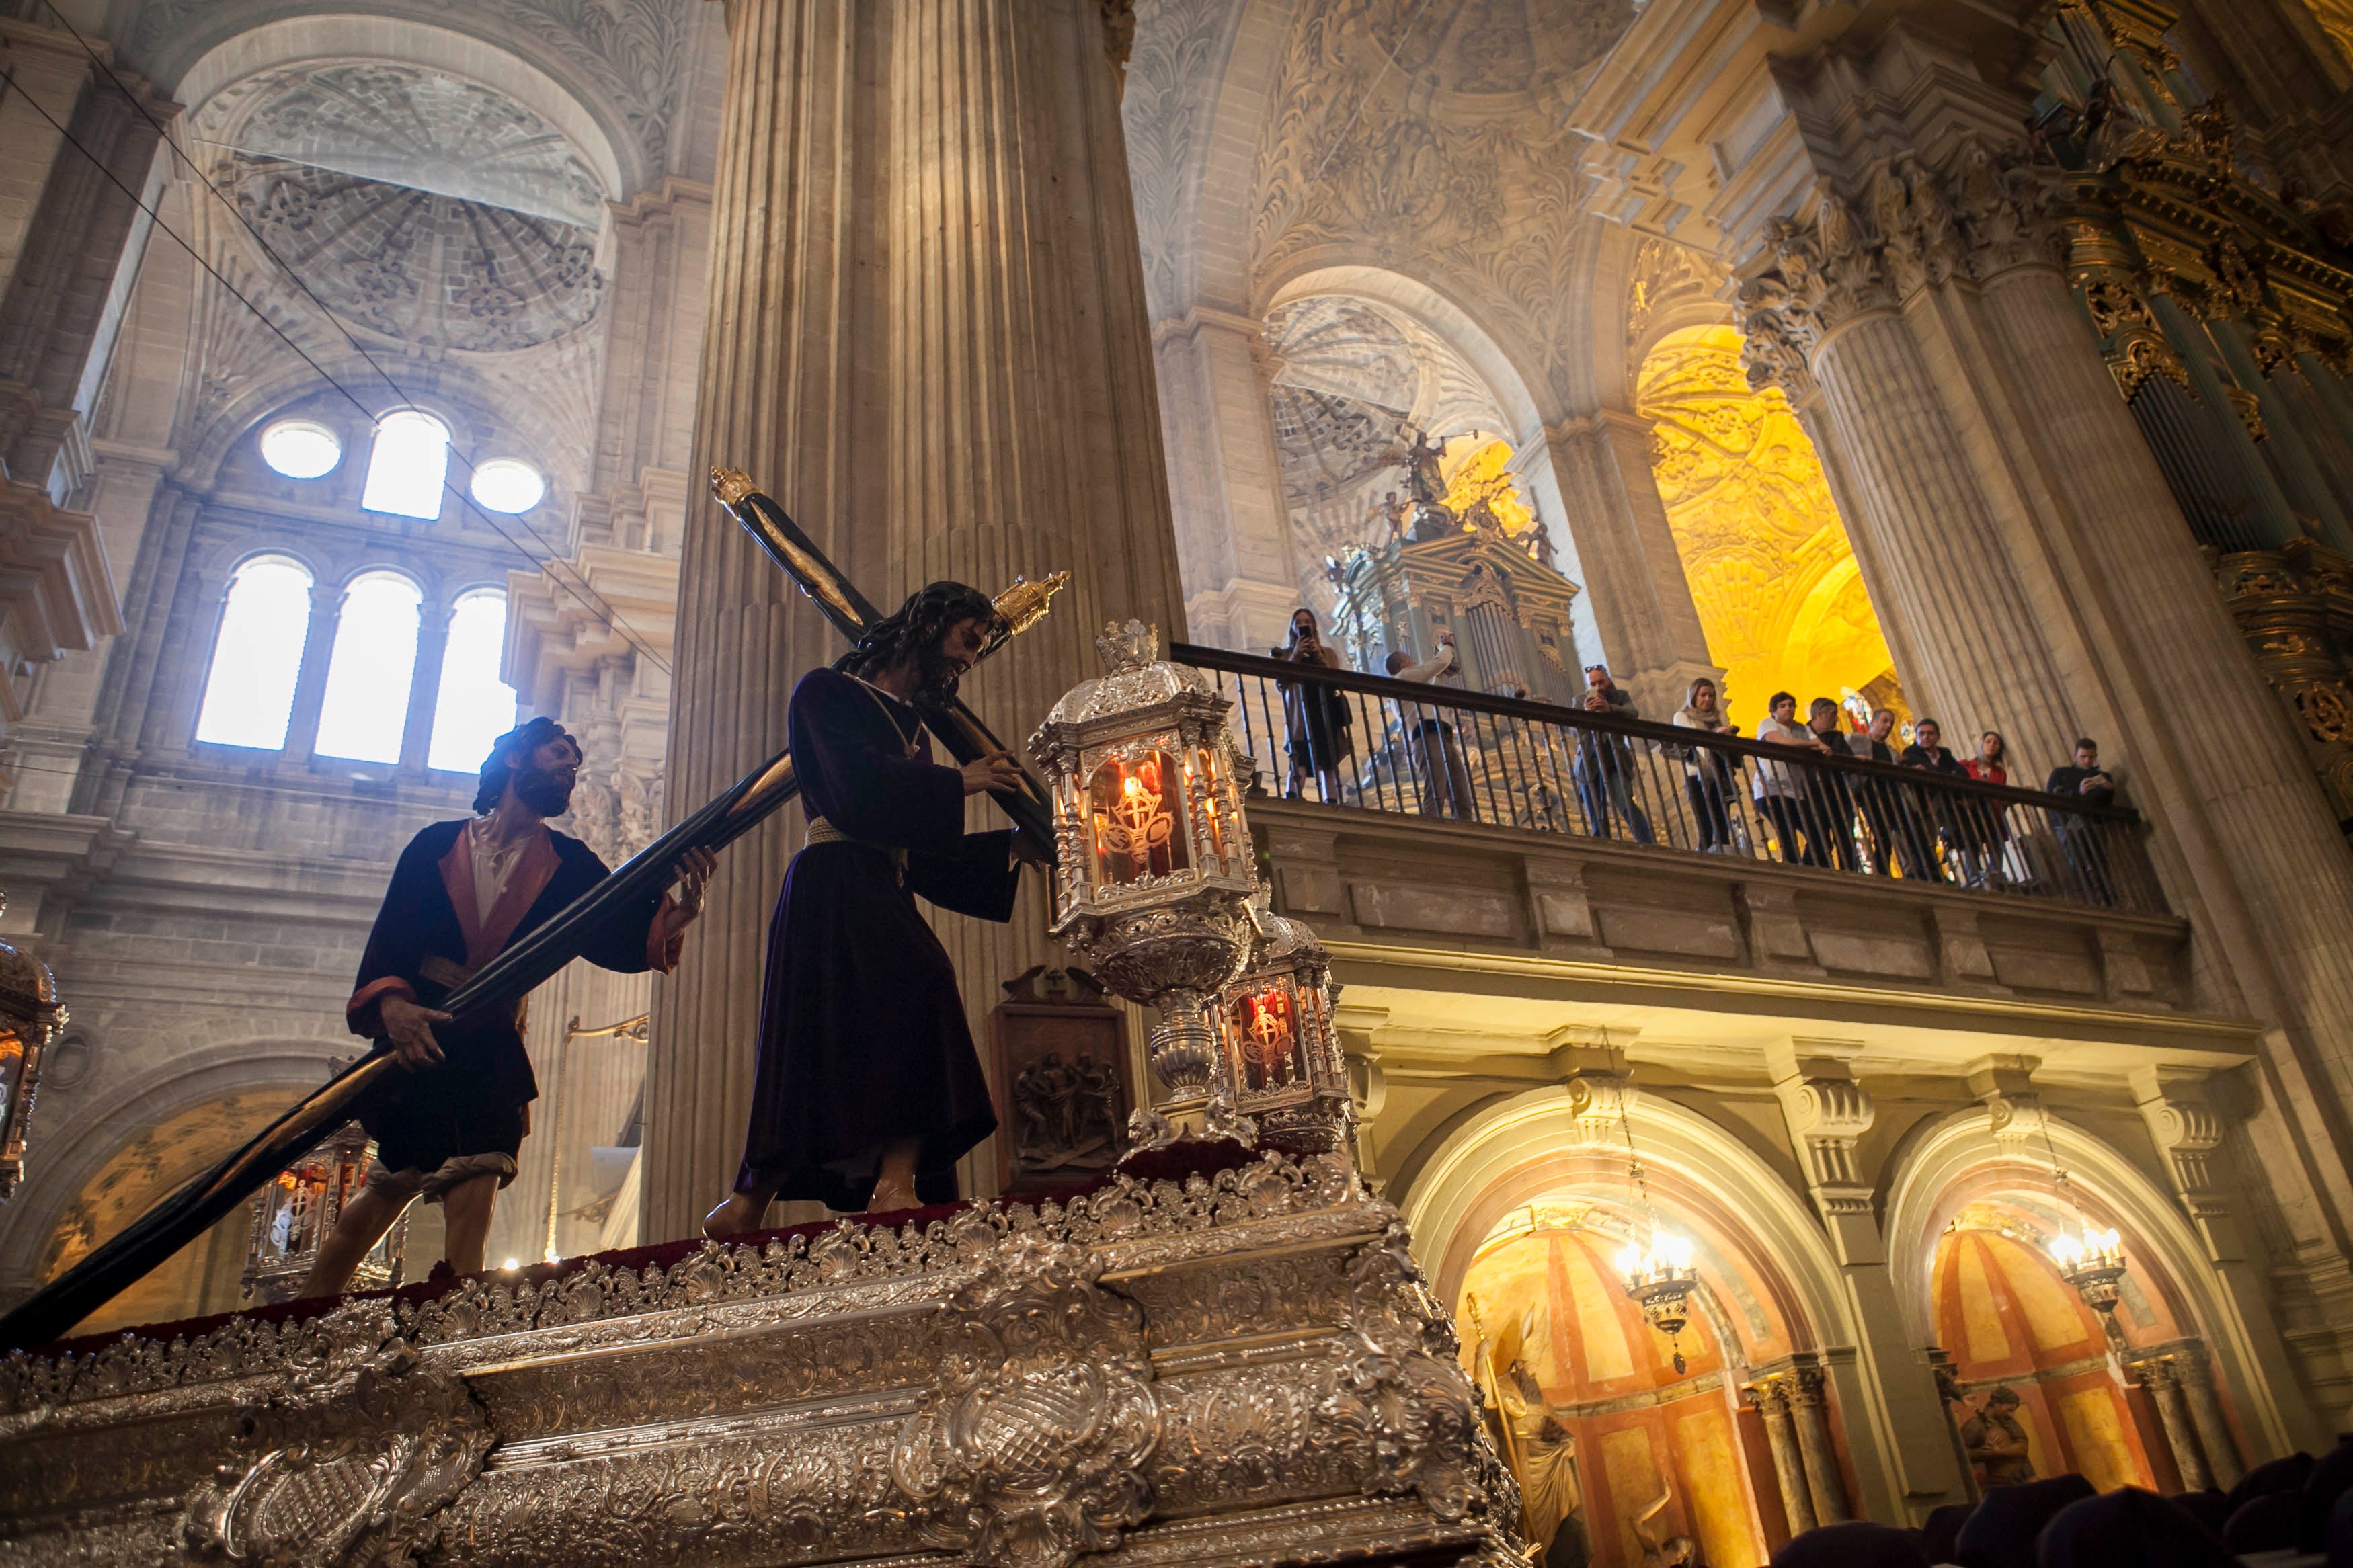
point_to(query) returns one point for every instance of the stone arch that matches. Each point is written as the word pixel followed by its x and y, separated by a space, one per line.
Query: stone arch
pixel 81 1145
pixel 1519 396
pixel 1760 1250
pixel 1954 1162
pixel 209 60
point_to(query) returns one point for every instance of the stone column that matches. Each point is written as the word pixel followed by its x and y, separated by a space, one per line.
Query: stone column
pixel 1241 571
pixel 927 339
pixel 2195 1376
pixel 2162 1377
pixel 1771 1397
pixel 425 682
pixel 1809 1414
pixel 2255 856
pixel 1637 601
pixel 1924 527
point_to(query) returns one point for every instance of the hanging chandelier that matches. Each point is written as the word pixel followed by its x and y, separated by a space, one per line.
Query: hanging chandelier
pixel 1659 1278
pixel 2093 1261
pixel 1657 1268
pixel 2089 1258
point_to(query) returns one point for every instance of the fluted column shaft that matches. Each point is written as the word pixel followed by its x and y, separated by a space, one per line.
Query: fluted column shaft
pixel 2270 872
pixel 927 339
pixel 1772 1399
pixel 1942 563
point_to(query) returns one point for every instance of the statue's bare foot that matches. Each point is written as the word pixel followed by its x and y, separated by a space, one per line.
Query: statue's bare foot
pixel 741 1212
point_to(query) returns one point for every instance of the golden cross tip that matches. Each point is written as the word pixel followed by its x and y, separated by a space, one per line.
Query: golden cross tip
pixel 1026 603
pixel 731 485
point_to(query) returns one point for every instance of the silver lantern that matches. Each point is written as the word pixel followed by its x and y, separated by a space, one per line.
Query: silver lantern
pixel 1156 868
pixel 29 1017
pixel 1281 1054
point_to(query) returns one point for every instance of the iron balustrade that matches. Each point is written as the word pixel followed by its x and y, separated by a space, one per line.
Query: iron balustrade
pixel 1504 762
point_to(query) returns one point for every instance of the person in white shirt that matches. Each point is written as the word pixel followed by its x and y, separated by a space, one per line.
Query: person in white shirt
pixel 1434 750
pixel 1781 789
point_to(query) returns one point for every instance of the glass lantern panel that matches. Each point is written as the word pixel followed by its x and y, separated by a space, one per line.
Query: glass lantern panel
pixel 1136 819
pixel 1262 1026
pixel 1205 765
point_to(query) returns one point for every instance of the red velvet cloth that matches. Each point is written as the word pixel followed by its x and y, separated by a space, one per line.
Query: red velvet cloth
pixel 1173 1163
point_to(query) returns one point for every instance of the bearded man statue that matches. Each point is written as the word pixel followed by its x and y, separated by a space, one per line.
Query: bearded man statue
pixel 867 1087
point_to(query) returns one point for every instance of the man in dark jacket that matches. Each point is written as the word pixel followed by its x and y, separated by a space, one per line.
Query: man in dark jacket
pixel 2087 783
pixel 449 1127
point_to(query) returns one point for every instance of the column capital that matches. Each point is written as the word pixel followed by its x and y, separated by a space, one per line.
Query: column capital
pixel 2184 1125
pixel 1600 1100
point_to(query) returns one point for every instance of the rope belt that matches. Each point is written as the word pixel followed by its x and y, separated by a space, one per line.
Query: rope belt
pixel 820 831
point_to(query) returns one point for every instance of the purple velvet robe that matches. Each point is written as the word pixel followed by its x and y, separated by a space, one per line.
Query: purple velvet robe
pixel 862 1035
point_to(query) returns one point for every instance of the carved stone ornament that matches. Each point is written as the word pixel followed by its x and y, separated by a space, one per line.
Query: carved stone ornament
pixel 1031 1448
pixel 1993 210
pixel 1237 1365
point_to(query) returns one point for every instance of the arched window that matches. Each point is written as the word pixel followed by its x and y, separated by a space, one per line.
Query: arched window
pixel 474 706
pixel 257 656
pixel 405 469
pixel 365 711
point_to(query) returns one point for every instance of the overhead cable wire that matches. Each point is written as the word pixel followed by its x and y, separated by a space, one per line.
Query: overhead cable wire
pixel 577 586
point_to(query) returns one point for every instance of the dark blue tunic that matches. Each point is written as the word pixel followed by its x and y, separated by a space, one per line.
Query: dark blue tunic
pixel 862 1036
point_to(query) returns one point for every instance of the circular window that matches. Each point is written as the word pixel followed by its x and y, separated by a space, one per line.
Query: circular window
pixel 300 449
pixel 508 484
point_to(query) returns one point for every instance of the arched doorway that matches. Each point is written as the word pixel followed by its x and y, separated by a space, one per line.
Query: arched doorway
pixel 1522 1211
pixel 1632 1460
pixel 2010 1322
pixel 1771 571
pixel 2162 1393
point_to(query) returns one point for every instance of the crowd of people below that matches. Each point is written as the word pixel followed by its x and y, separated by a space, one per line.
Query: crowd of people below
pixel 1737 802
pixel 2298 1507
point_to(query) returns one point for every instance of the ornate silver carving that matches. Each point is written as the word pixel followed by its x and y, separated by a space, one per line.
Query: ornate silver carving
pixel 1211 1370
pixel 346 1475
pixel 1029 1450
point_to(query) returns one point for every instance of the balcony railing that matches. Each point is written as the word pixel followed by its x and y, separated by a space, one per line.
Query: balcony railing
pixel 1436 750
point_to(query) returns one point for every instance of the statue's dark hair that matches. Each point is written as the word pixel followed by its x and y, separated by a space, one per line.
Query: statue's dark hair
pixel 514 750
pixel 916 626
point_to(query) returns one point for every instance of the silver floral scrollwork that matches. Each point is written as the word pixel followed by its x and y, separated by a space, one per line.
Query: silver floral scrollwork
pixel 348 1474
pixel 1031 1448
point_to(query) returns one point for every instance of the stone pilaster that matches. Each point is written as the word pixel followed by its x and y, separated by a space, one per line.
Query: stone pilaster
pixel 1828 1113
pixel 927 339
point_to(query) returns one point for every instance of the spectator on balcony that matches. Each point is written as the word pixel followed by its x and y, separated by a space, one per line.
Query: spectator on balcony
pixel 1314 717
pixel 1432 752
pixel 1985 822
pixel 1780 788
pixel 2088 783
pixel 1927 752
pixel 1887 816
pixel 1707 773
pixel 1603 772
pixel 1830 799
